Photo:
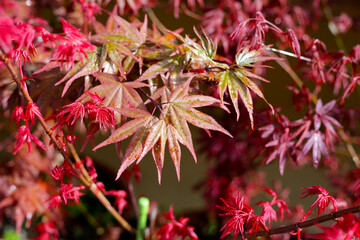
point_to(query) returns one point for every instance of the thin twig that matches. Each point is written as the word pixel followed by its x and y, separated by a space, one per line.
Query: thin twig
pixel 300 225
pixel 153 101
pixel 291 72
pixel 133 198
pixel 290 54
pixel 156 21
pixel 350 148
pixel 85 179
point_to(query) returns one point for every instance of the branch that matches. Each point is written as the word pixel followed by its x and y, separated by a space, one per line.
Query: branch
pixel 84 175
pixel 300 225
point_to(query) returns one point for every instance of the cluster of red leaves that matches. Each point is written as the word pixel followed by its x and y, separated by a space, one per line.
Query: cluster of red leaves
pixel 346 227
pixel 129 53
pixel 176 228
pixel 288 137
pixel 322 201
pixel 242 217
pixel 72 46
pixel 67 190
pixel 100 117
pixel 24 135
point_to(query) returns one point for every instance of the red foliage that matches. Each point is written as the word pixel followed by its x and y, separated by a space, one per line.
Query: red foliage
pixel 131 81
pixel 176 228
pixel 322 201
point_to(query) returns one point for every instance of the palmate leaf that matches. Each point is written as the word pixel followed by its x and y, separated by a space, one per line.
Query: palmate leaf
pixel 247 58
pixel 165 65
pixel 204 52
pixel 238 83
pixel 179 110
pixel 151 133
pixel 138 128
pixel 115 93
pixel 117 52
pixel 132 32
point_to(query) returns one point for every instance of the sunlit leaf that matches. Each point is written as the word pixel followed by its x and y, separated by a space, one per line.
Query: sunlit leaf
pixel 163 66
pixel 112 37
pixel 116 93
pixel 238 83
pixel 142 118
pixel 87 67
pixel 130 31
pixel 247 58
pixel 204 53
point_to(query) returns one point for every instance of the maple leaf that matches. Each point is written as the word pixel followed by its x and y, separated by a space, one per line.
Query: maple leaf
pixel 238 83
pixel 139 128
pixel 176 228
pixel 115 93
pixel 268 213
pixel 151 133
pixel 323 199
pixel 281 144
pixel 117 53
pixel 174 63
pixel 322 116
pixel 132 32
pixel 293 42
pixel 316 142
pixel 24 135
pixel 17 114
pixel 180 109
pixel 205 52
pixel 122 45
pixel 240 214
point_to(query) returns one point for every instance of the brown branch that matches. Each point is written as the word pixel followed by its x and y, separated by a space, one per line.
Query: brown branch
pixel 300 225
pixel 83 174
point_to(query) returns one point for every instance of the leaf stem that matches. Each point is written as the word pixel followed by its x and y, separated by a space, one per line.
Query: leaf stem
pixel 153 101
pixel 156 21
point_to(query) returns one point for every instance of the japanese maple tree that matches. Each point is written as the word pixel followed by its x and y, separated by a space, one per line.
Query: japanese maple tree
pixel 87 69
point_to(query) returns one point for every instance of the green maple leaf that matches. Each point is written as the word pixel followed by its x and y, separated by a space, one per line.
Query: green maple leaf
pixel 174 63
pixel 238 82
pixel 205 52
pixel 131 32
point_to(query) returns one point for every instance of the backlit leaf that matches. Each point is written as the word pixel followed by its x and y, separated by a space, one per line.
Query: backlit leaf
pixel 127 129
pixel 87 67
pixel 238 83
pixel 163 66
pixel 115 93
